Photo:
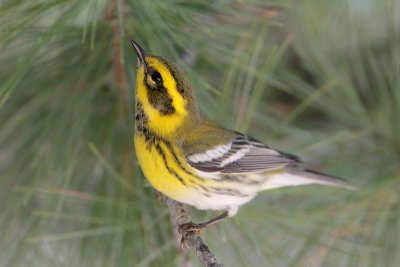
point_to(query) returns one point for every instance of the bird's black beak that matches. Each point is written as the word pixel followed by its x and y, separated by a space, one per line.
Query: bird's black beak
pixel 141 54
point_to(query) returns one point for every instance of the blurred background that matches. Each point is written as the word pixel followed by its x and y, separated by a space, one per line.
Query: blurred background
pixel 320 79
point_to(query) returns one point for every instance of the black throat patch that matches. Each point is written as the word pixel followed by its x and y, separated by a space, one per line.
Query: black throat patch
pixel 141 120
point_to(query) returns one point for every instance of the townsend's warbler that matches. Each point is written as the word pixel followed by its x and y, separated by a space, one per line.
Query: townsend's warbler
pixel 192 159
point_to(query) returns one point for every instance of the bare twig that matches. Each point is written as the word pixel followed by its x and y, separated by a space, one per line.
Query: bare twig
pixel 192 239
pixel 185 253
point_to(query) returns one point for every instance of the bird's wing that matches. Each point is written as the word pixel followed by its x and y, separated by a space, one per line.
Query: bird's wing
pixel 243 154
pixel 240 155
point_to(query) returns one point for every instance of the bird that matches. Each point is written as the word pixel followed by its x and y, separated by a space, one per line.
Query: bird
pixel 194 160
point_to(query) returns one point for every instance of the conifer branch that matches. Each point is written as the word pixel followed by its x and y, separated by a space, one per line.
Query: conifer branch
pixel 191 239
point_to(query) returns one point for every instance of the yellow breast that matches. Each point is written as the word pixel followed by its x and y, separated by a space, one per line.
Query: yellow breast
pixel 161 169
pixel 165 168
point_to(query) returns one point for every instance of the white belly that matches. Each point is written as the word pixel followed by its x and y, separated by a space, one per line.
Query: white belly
pixel 217 201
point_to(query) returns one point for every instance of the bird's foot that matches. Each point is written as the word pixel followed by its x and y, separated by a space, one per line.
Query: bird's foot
pixel 189 229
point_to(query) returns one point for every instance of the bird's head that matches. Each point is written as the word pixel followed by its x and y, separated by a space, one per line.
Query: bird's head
pixel 164 95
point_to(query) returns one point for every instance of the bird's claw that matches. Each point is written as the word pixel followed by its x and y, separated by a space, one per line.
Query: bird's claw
pixel 187 229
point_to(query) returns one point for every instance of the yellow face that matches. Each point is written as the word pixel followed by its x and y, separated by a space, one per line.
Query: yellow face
pixel 162 98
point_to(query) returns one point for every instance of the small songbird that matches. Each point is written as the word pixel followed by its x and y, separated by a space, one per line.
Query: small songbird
pixel 195 161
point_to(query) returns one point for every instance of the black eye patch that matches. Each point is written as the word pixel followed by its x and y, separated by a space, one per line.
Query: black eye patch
pixel 156 77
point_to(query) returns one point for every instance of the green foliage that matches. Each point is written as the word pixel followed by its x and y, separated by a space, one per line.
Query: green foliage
pixel 317 78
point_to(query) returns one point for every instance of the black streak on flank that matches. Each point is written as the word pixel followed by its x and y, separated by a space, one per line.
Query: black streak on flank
pixel 161 152
pixel 177 161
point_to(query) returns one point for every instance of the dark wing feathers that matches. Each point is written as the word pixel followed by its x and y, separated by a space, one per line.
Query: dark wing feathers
pixel 240 155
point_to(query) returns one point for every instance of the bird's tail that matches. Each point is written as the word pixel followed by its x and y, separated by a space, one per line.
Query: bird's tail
pixel 297 177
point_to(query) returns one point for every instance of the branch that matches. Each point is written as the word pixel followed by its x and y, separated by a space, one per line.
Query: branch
pixel 191 239
pixel 116 9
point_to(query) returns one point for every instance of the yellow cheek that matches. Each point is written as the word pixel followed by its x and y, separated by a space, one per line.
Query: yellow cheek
pixel 164 125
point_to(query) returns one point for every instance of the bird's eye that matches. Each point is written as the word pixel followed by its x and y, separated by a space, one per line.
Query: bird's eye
pixel 156 77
